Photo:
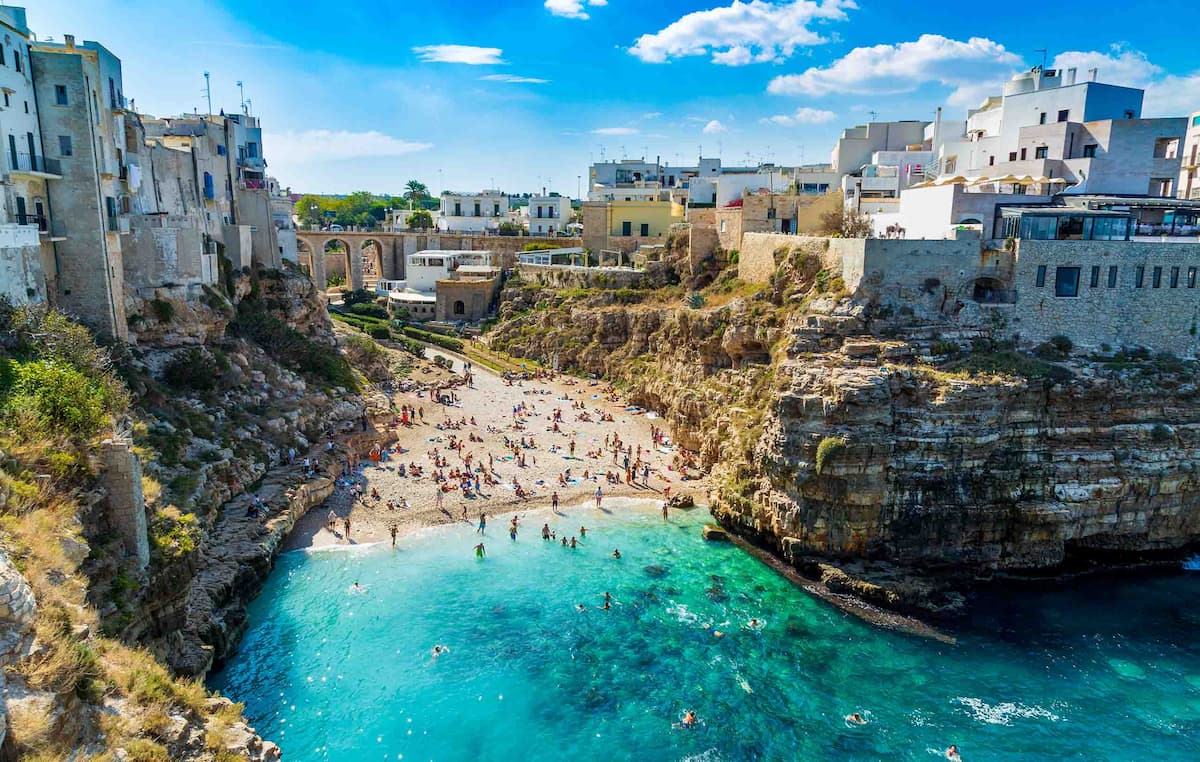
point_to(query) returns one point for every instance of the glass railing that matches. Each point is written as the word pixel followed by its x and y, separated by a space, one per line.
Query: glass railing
pixel 32 162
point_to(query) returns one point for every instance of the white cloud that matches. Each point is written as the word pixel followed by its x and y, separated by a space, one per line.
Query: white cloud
pixel 572 9
pixel 803 115
pixel 652 115
pixel 331 145
pixel 513 79
pixel 742 33
pixel 614 131
pixel 461 54
pixel 714 127
pixel 1166 94
pixel 973 67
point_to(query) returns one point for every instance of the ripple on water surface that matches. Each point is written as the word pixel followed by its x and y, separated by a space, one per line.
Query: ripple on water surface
pixel 334 674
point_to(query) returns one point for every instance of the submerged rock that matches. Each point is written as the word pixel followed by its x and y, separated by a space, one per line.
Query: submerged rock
pixel 714 533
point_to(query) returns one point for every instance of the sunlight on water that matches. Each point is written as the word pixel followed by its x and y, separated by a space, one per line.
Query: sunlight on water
pixel 334 674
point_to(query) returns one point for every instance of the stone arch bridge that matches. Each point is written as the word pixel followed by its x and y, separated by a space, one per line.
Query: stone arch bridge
pixel 391 249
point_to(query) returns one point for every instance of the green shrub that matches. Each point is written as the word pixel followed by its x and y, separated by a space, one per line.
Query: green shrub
pixel 539 247
pixel 62 398
pixel 695 300
pixel 369 309
pixel 174 534
pixel 1062 344
pixel 828 448
pixel 943 348
pixel 192 369
pixel 358 296
pixel 163 311
pixel 380 333
pixel 445 342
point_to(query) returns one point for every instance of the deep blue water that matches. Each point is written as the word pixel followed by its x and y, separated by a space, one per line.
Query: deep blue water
pixel 1105 672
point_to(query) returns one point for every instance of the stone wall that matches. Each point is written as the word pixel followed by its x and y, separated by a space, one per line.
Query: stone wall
pixel 571 276
pixel 162 251
pixel 476 296
pixel 126 506
pixel 728 222
pixel 1163 317
pixel 22 280
pixel 703 240
pixel 757 262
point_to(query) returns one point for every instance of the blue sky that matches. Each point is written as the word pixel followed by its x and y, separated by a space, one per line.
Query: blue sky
pixel 521 94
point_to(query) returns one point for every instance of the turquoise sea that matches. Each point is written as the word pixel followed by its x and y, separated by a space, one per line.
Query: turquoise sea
pixel 1105 671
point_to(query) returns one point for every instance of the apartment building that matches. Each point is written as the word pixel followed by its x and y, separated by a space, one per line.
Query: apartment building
pixel 472 212
pixel 81 109
pixel 708 183
pixel 548 214
pixel 1189 171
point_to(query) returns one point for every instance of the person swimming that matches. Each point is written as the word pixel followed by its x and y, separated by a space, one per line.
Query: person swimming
pixel 572 542
pixel 479 551
pixel 689 719
pixel 856 719
pixel 439 650
pixel 607 601
pixel 754 624
pixel 952 754
pixel 582 532
pixel 616 553
pixel 580 607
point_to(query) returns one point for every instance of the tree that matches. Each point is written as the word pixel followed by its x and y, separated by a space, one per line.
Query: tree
pixel 510 228
pixel 416 191
pixel 309 209
pixel 420 220
pixel 846 223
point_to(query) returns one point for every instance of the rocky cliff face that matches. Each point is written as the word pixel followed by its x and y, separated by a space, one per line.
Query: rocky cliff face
pixel 890 439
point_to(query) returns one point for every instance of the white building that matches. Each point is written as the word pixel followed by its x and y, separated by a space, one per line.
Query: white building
pixel 26 240
pixel 417 292
pixel 472 212
pixel 1189 173
pixel 282 217
pixel 881 159
pixel 707 183
pixel 548 215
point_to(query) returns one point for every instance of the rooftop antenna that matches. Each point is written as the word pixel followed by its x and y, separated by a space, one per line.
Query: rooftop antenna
pixel 242 95
pixel 624 153
pixel 208 91
pixel 874 115
pixel 1043 51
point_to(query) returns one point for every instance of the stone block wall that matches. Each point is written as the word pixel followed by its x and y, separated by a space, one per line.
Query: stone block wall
pixel 1164 317
pixel 571 276
pixel 476 296
pixel 126 506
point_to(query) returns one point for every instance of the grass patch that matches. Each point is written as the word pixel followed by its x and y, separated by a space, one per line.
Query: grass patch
pixel 828 448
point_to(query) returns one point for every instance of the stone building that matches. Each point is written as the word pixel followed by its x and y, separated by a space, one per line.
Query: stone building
pixel 82 110
pixel 1189 173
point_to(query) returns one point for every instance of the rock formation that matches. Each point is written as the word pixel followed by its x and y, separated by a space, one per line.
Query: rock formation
pixel 891 436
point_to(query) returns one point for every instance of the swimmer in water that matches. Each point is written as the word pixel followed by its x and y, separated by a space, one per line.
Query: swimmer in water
pixel 607 601
pixel 952 754
pixel 439 650
pixel 754 623
pixel 856 719
pixel 689 718
pixel 580 607
pixel 572 542
pixel 582 532
pixel 356 587
pixel 616 553
pixel 479 551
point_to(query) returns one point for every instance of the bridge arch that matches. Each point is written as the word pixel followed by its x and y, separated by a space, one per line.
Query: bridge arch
pixel 371 254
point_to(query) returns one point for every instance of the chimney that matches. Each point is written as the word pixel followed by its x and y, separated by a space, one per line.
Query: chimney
pixel 1092 74
pixel 1070 76
pixel 69 39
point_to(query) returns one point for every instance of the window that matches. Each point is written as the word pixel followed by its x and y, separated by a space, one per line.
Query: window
pixel 1066 281
pixel 1042 118
pixel 1064 115
pixel 6 101
pixel 1191 277
pixel 1128 114
pixel 60 95
pixel 1095 283
pixel 626 228
pixel 1089 151
pixel 1112 276
pixel 1012 155
pixel 460 308
pixel 3 62
pixel 26 107
pixel 1174 277
pixel 1023 150
pixel 1139 280
pixel 1041 276
pixel 991 161
pixel 1040 152
pixel 1156 278
pixel 221 150
pixel 17 59
pixel 645 231
pixel 64 145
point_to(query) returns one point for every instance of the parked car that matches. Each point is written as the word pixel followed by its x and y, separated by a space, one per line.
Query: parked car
pixel 336 229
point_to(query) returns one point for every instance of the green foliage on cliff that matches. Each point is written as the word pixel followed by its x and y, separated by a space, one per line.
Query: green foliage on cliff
pixel 828 448
pixel 369 309
pixel 193 369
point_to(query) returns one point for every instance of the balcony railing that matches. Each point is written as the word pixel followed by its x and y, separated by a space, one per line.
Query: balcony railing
pixel 32 162
pixel 42 222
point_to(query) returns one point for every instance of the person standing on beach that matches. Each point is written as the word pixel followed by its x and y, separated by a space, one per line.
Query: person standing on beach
pixel 331 520
pixel 393 529
pixel 554 502
pixel 346 524
pixel 599 496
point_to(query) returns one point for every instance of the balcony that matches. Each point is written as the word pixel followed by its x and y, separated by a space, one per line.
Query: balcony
pixel 33 165
pixel 42 222
pixel 118 223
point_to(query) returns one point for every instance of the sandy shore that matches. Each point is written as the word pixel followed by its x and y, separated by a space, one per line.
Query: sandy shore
pixel 490 400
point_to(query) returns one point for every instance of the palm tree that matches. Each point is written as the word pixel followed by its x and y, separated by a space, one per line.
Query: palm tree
pixel 416 190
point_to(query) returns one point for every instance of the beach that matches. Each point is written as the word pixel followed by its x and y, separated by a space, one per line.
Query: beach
pixel 482 416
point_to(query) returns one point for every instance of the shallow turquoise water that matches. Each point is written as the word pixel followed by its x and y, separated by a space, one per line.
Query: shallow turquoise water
pixel 1100 673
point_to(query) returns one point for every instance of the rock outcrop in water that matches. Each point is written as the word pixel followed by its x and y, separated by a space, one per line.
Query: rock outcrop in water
pixel 889 437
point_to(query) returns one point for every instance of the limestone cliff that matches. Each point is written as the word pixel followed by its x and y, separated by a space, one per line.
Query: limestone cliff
pixel 891 435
